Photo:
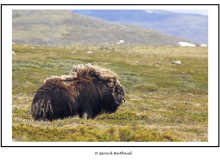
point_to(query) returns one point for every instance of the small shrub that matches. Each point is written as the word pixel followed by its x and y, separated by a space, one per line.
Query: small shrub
pixel 125 134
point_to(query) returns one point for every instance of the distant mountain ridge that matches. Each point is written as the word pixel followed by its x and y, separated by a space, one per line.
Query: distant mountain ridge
pixel 65 27
pixel 193 27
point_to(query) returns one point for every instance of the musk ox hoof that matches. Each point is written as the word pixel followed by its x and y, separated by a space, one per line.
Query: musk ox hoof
pixel 88 91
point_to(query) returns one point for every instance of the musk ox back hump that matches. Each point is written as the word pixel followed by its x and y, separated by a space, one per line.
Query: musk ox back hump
pixel 95 72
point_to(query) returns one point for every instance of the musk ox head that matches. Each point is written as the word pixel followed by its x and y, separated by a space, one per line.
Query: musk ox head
pixel 119 94
pixel 88 91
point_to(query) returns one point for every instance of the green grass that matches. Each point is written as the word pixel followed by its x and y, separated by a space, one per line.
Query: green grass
pixel 163 103
pixel 88 134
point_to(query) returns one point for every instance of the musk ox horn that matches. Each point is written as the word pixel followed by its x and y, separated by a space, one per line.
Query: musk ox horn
pixel 88 91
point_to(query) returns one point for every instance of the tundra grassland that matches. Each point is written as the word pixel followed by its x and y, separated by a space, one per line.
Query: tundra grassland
pixel 164 101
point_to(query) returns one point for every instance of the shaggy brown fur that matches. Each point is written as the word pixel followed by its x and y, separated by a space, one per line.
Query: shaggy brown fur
pixel 88 91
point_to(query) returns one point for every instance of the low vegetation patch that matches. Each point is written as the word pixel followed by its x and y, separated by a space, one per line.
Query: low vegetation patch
pixel 87 134
pixel 123 118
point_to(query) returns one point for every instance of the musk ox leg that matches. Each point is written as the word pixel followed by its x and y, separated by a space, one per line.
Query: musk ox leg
pixel 85 112
pixel 85 115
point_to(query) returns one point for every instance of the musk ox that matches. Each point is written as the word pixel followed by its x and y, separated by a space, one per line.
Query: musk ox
pixel 88 91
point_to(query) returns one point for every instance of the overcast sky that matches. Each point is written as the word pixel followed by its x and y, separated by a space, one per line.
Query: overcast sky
pixel 202 12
